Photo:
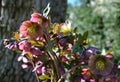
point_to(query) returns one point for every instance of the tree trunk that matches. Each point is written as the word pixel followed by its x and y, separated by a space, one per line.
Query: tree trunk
pixel 12 13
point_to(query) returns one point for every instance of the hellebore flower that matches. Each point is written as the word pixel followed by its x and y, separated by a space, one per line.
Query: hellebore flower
pixel 62 42
pixel 108 78
pixel 12 46
pixel 40 69
pixel 65 28
pixel 35 51
pixel 89 51
pixel 64 59
pixel 86 54
pixel 24 45
pixel 40 19
pixel 30 29
pixel 100 65
pixel 86 73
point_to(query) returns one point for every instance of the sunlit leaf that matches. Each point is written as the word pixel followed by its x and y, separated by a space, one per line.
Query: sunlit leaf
pixel 16 36
pixel 55 28
pixel 29 56
pixel 44 77
pixel 36 43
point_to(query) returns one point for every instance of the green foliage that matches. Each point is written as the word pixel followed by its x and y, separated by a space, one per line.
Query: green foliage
pixel 101 19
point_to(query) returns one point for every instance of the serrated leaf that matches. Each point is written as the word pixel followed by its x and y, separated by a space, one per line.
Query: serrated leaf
pixel 44 77
pixel 36 43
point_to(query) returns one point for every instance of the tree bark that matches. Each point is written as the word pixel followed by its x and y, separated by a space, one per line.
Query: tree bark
pixel 12 13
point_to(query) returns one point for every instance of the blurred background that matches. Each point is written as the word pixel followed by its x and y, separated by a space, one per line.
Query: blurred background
pixel 100 17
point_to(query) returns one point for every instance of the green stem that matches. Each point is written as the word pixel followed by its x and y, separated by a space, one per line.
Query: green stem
pixel 54 59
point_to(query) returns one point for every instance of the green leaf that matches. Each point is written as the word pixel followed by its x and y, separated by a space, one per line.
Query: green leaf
pixel 36 43
pixel 85 35
pixel 80 39
pixel 81 50
pixel 44 77
pixel 75 48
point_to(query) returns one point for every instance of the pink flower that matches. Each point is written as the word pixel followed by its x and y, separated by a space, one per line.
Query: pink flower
pixel 64 59
pixel 40 19
pixel 86 73
pixel 39 68
pixel 30 29
pixel 25 45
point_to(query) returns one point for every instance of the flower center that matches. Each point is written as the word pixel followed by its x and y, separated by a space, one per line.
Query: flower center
pixel 100 65
pixel 33 30
pixel 107 79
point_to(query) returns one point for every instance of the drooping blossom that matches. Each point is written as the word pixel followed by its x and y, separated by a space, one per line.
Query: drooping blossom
pixel 40 19
pixel 35 51
pixel 26 65
pixel 100 65
pixel 12 46
pixel 86 73
pixel 40 69
pixel 30 29
pixel 62 41
pixel 90 50
pixel 25 45
pixel 87 52
pixel 64 59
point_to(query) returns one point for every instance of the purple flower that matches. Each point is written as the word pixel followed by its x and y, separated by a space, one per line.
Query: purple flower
pixel 40 69
pixel 12 46
pixel 108 78
pixel 86 54
pixel 100 65
pixel 62 41
pixel 36 51
pixel 89 51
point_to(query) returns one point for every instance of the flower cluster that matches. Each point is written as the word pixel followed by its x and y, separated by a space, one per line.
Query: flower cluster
pixel 55 51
